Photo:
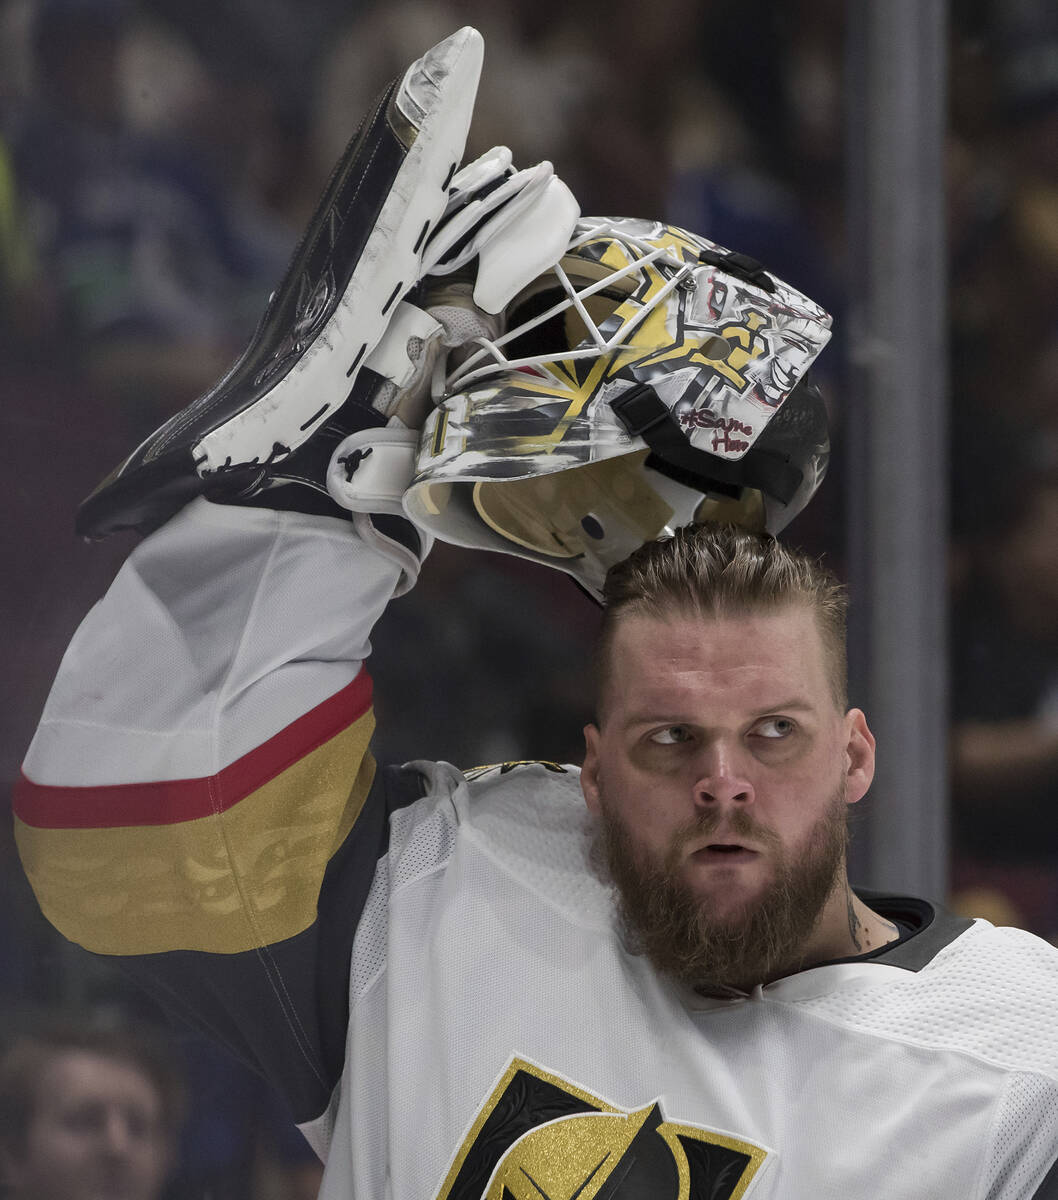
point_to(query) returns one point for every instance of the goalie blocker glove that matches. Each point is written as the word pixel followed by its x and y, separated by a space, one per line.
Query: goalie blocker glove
pixel 306 380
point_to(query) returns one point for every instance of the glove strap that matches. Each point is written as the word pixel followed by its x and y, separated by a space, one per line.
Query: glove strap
pixel 371 469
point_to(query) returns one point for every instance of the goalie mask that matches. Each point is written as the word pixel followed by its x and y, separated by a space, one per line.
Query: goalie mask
pixel 649 379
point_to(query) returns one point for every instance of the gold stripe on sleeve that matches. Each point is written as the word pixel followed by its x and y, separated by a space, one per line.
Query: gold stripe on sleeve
pixel 225 883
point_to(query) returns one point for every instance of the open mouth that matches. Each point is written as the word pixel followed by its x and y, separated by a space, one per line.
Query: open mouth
pixel 727 852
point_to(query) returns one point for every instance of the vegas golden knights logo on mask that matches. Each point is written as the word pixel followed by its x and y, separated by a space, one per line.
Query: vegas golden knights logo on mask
pixel 540 1137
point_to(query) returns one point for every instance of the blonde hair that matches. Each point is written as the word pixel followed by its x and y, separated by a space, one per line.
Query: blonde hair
pixel 713 571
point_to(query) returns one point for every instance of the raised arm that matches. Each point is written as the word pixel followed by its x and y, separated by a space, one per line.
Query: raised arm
pixel 200 801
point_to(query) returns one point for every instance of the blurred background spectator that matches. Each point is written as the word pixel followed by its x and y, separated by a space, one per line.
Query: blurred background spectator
pixel 158 273
pixel 1003 221
pixel 1004 676
pixel 105 1102
pixel 157 162
pixel 87 1114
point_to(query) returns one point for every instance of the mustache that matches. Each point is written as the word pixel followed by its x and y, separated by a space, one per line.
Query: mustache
pixel 738 823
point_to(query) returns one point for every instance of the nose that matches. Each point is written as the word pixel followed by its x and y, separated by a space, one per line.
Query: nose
pixel 721 778
pixel 117 1135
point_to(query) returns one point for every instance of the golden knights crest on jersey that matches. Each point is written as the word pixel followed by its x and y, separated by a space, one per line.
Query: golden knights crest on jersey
pixel 540 1137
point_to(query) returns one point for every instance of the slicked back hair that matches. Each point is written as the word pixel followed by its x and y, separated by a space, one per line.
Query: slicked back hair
pixel 715 571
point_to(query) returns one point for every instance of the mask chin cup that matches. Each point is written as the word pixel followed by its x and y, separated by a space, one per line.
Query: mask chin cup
pixel 580 520
pixel 562 514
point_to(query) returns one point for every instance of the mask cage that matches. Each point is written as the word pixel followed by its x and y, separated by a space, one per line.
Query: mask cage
pixel 491 357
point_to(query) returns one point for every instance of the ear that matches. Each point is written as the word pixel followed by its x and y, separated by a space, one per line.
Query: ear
pixel 859 755
pixel 589 771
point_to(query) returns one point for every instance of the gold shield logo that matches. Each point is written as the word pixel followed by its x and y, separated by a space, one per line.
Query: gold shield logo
pixel 540 1137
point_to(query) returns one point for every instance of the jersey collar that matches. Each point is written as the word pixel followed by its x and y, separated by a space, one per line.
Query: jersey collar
pixel 929 927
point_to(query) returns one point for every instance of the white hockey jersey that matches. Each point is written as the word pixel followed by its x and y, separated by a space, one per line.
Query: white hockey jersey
pixel 424 961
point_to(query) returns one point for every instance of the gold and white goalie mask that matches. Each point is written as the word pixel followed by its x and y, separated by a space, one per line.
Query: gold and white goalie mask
pixel 648 379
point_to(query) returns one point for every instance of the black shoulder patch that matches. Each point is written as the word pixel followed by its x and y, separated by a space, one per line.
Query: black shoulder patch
pixel 934 928
pixel 403 786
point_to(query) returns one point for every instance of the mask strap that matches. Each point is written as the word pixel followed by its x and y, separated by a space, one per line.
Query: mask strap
pixel 643 414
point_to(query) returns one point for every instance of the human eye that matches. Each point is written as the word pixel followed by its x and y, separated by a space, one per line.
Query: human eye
pixel 671 735
pixel 774 728
pixel 83 1118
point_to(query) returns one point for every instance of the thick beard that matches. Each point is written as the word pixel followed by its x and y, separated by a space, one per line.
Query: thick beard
pixel 665 921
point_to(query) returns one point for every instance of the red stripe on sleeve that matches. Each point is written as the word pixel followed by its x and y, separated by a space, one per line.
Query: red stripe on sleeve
pixel 171 801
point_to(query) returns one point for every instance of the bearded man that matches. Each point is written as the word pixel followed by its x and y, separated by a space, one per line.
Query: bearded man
pixel 724 761
pixel 426 961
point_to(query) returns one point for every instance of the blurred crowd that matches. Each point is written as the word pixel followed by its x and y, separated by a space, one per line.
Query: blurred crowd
pixel 157 162
pixel 1003 237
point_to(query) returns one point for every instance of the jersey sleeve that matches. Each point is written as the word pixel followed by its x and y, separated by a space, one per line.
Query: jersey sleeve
pixel 200 802
pixel 1021 1157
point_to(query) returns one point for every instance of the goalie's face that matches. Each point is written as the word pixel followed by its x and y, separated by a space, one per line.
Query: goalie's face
pixel 722 770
